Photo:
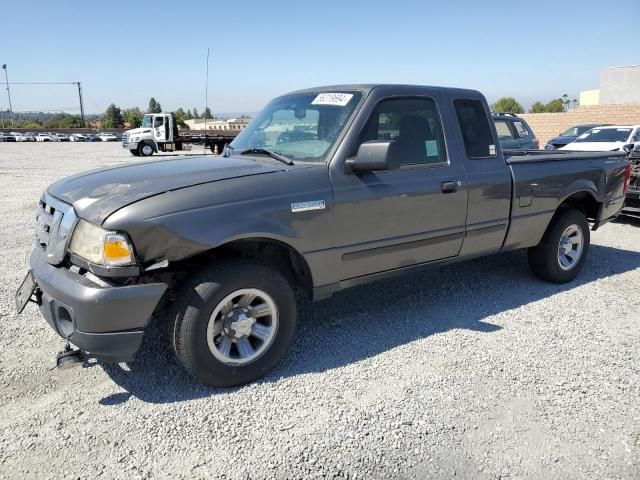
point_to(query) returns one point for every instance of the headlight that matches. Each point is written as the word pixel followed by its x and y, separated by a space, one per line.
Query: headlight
pixel 100 246
pixel 135 139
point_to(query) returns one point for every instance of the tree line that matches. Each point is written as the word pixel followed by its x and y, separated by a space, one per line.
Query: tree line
pixel 511 105
pixel 114 117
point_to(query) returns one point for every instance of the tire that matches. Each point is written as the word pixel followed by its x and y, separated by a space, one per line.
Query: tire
pixel 568 232
pixel 209 349
pixel 145 150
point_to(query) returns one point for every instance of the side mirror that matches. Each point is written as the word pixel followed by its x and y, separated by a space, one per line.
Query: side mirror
pixel 628 147
pixel 373 156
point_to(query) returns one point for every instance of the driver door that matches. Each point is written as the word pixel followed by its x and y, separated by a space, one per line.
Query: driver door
pixel 392 219
pixel 159 129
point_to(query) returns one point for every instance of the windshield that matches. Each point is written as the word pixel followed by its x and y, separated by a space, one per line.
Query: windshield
pixel 147 121
pixel 605 135
pixel 578 130
pixel 301 127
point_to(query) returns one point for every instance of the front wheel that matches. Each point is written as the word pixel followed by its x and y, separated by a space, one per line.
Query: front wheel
pixel 145 150
pixel 234 322
pixel 562 253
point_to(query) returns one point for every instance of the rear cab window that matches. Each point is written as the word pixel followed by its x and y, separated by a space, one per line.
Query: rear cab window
pixel 521 130
pixel 475 129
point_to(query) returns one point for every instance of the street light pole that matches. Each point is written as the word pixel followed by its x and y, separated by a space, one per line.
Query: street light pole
pixel 6 79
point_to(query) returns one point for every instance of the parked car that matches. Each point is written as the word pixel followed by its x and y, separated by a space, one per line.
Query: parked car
pixel 398 177
pixel 45 137
pixel 62 137
pixel 108 137
pixel 632 199
pixel 77 137
pixel 610 138
pixel 571 134
pixel 90 137
pixel 514 133
pixel 7 137
pixel 27 137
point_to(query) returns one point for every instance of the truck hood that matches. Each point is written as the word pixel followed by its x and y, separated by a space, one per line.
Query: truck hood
pixel 98 193
pixel 137 131
pixel 593 146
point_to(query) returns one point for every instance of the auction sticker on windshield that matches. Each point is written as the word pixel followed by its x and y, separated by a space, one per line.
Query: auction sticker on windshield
pixel 337 99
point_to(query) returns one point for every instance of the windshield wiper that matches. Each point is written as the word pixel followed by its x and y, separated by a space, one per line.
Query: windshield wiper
pixel 263 151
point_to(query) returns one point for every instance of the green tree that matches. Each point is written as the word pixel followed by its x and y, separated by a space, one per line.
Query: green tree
pixel 537 107
pixel 32 124
pixel 507 105
pixel 112 117
pixel 195 113
pixel 133 116
pixel 207 114
pixel 70 121
pixel 154 106
pixel 189 115
pixel 180 117
pixel 554 106
pixel 53 122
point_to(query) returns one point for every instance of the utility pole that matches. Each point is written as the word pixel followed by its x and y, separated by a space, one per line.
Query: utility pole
pixel 6 79
pixel 81 104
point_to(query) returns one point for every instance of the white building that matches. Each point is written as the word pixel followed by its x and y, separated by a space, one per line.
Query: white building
pixel 617 85
pixel 218 125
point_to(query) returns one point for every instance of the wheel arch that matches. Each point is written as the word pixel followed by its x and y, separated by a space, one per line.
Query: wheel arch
pixel 584 200
pixel 271 251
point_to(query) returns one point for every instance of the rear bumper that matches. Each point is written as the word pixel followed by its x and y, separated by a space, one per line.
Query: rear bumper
pixel 108 322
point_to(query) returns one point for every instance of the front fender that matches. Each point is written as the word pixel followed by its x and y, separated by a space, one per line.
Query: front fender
pixel 179 224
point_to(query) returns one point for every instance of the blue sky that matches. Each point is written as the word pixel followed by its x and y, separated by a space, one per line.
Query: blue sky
pixel 125 52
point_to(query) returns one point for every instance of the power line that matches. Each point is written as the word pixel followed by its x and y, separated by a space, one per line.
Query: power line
pixel 43 83
pixel 62 109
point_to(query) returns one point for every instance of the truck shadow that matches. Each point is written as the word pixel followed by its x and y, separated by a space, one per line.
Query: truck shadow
pixel 362 322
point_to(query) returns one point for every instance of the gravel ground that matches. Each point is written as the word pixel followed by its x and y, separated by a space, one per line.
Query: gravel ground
pixel 476 370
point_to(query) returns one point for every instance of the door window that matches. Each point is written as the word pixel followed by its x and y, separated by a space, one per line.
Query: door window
pixel 503 130
pixel 414 127
pixel 475 129
pixel 157 122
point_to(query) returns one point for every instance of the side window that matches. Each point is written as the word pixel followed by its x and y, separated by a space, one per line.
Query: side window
pixel 521 129
pixel 636 137
pixel 157 122
pixel 475 128
pixel 413 124
pixel 504 132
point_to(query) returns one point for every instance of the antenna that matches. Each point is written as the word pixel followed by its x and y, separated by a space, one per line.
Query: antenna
pixel 206 104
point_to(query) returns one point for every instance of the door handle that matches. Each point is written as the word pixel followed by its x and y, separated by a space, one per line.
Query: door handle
pixel 449 187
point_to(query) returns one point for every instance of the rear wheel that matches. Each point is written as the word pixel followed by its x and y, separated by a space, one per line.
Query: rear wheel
pixel 234 323
pixel 562 253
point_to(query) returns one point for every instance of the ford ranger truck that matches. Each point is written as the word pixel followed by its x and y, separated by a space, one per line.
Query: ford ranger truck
pixel 325 189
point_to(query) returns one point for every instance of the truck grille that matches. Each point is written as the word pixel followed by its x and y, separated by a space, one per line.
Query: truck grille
pixel 54 221
pixel 125 139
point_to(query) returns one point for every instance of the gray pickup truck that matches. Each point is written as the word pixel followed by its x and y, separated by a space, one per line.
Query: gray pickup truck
pixel 327 188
